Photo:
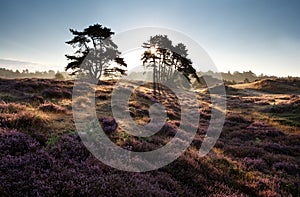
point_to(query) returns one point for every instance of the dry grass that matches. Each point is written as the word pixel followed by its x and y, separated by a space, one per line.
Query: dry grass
pixel 50 107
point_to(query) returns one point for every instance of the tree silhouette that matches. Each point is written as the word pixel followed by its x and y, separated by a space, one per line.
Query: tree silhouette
pixel 95 53
pixel 59 76
pixel 167 60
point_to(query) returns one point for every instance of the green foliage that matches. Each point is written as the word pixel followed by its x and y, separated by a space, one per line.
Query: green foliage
pixel 59 76
pixel 52 139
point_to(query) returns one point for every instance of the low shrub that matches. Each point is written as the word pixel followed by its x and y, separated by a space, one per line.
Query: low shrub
pixel 24 121
pixel 109 125
pixel 56 92
pixel 255 164
pixel 288 167
pixel 11 107
pixel 244 151
pixel 15 143
pixel 67 169
pixel 68 147
pixel 50 107
pixel 277 149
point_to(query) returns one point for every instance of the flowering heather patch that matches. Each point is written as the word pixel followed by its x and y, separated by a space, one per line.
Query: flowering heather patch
pixel 69 147
pixel 263 130
pixel 56 92
pixel 67 168
pixel 278 149
pixel 37 157
pixel 243 151
pixel 50 107
pixel 24 121
pixel 15 143
pixel 255 164
pixel 288 167
pixel 237 118
pixel 109 125
pixel 11 107
pixel 262 102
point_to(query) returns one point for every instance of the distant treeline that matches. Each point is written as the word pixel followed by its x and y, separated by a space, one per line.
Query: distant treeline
pixel 228 77
pixel 51 74
pixel 235 77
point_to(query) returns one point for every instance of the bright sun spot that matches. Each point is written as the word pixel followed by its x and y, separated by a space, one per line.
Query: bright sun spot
pixel 153 50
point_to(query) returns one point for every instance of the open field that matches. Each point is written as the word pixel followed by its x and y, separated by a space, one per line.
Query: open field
pixel 257 154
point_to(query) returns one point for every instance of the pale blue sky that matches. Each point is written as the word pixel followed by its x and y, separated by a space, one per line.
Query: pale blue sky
pixel 258 35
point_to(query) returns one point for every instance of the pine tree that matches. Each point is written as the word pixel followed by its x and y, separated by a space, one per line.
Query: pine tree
pixel 95 53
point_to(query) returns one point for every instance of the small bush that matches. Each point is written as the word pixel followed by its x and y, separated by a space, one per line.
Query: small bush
pixel 255 164
pixel 36 100
pixel 288 167
pixel 15 143
pixel 276 149
pixel 50 107
pixel 23 120
pixel 59 76
pixel 67 169
pixel 56 92
pixel 11 107
pixel 68 147
pixel 244 151
pixel 109 125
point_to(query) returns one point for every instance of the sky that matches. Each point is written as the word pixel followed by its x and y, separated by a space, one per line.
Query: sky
pixel 239 35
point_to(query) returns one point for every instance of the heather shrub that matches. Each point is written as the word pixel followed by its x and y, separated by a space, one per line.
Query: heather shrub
pixel 109 125
pixel 142 145
pixel 69 147
pixel 4 97
pixel 236 118
pixel 243 135
pixel 270 158
pixel 290 140
pixel 190 171
pixel 255 164
pixel 24 121
pixel 56 92
pixel 248 100
pixel 262 130
pixel 292 106
pixel 168 130
pixel 219 144
pixel 31 85
pixel 11 107
pixel 61 170
pixel 82 102
pixel 288 167
pixel 50 107
pixel 249 159
pixel 102 95
pixel 15 143
pixel 244 151
pixel 145 96
pixel 26 174
pixel 33 99
pixel 277 149
pixel 262 102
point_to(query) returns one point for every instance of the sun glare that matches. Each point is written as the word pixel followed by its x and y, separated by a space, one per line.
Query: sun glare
pixel 153 50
